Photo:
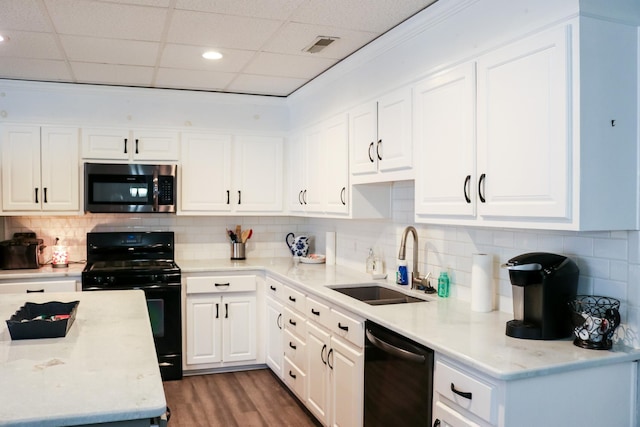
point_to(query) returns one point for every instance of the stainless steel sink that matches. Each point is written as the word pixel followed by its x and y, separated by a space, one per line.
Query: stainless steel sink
pixel 376 295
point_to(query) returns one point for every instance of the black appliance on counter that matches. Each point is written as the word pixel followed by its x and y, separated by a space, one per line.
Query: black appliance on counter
pixel 543 284
pixel 129 188
pixel 22 251
pixel 142 260
pixel 398 380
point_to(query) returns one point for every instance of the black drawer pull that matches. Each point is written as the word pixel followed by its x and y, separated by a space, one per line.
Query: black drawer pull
pixel 344 328
pixel 292 299
pixel 29 291
pixel 292 346
pixel 273 288
pixel 222 284
pixel 465 394
pixel 314 312
pixel 292 322
pixel 291 374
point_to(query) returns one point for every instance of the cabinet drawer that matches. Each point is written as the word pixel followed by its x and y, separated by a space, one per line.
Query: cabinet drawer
pixel 295 349
pixel 210 284
pixel 318 312
pixel 347 327
pixel 25 287
pixel 275 289
pixel 294 298
pixel 294 322
pixel 450 418
pixel 452 383
pixel 295 379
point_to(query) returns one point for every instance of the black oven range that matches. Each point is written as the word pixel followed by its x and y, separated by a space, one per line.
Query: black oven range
pixel 142 260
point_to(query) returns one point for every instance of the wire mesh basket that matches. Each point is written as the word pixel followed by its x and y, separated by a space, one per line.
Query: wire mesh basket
pixel 595 319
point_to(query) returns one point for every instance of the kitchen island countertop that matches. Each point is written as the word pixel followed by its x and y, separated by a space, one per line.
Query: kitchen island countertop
pixel 104 371
pixel 448 326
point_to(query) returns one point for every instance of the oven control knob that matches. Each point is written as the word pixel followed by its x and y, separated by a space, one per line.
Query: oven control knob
pixel 111 279
pixel 97 280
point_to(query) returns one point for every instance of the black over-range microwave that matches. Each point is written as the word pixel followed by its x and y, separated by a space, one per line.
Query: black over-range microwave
pixel 129 188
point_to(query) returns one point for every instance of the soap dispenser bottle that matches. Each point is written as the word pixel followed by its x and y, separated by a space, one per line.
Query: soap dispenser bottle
pixel 370 261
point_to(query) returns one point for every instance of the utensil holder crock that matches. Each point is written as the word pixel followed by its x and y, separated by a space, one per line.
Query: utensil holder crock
pixel 237 251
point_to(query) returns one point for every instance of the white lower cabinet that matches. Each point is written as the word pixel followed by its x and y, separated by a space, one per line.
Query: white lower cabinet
pixel 464 397
pixel 294 342
pixel 274 331
pixel 38 286
pixel 221 320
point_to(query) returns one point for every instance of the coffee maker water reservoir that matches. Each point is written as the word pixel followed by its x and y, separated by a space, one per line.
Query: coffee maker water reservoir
pixel 543 284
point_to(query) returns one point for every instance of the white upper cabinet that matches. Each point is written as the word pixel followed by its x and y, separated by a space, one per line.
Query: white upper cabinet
pixel 380 139
pixel 444 123
pixel 126 145
pixel 536 137
pixel 40 169
pixel 221 173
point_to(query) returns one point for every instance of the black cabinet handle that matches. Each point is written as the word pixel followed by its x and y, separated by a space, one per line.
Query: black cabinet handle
pixel 328 359
pixel 378 149
pixel 278 321
pixel 292 375
pixel 217 311
pixel 125 146
pixel 292 322
pixel 228 195
pixel 466 188
pixel 37 196
pixel 300 197
pixel 481 188
pixel 465 394
pixel 292 299
pixel 344 328
pixel 342 194
pixel 239 197
pixel 324 347
pixel 226 311
pixel 436 423
pixel 292 346
pixel 314 312
pixel 273 288
pixel 44 191
pixel 136 146
pixel 304 197
pixel 221 284
pixel 370 156
pixel 29 291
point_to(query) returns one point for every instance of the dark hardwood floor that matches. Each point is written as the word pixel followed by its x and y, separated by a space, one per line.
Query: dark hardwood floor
pixel 242 399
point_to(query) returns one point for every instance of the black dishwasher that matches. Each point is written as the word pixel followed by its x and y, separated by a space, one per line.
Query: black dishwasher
pixel 398 380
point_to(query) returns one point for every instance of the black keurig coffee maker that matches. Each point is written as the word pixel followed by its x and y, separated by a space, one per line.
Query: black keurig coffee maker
pixel 543 284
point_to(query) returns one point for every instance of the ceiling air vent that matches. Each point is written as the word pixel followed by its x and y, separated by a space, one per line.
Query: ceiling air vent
pixel 319 44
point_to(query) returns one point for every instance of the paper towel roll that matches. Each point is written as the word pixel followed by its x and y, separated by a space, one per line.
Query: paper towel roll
pixel 330 252
pixel 482 283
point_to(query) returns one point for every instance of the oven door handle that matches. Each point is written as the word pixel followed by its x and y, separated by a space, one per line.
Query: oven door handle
pixel 393 350
pixel 156 191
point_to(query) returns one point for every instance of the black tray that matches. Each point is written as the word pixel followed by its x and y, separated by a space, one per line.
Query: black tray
pixel 23 325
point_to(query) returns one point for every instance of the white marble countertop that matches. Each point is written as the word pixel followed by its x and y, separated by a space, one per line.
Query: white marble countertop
pixel 45 272
pixel 104 370
pixel 448 326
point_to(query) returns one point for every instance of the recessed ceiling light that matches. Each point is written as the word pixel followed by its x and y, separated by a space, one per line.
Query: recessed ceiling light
pixel 212 54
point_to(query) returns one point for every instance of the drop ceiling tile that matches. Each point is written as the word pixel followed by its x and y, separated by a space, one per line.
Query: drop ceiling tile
pixel 27 44
pixel 110 51
pixel 272 9
pixel 34 69
pixel 192 79
pixel 157 3
pixel 276 64
pixel 358 14
pixel 220 31
pixel 265 85
pixel 295 37
pixel 23 15
pixel 112 74
pixel 107 20
pixel 185 56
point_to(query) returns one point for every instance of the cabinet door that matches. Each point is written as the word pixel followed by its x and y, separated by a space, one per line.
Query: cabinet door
pixel 204 340
pixel 336 165
pixel 60 169
pixel 296 176
pixel 274 339
pixel 444 131
pixel 315 152
pixel 113 144
pixel 394 150
pixel 318 346
pixel 155 145
pixel 205 174
pixel 239 328
pixel 347 384
pixel 363 139
pixel 21 168
pixel 258 174
pixel 524 141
